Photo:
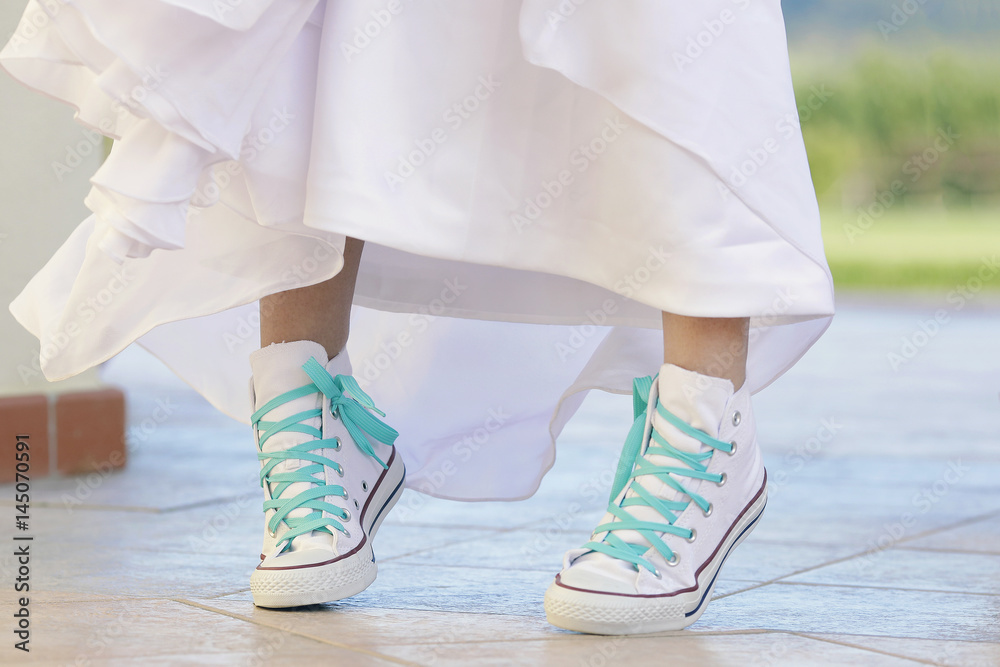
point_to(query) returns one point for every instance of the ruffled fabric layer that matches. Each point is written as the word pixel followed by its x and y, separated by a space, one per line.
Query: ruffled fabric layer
pixel 535 180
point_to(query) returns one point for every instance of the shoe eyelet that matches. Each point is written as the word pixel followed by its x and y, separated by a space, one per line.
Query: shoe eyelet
pixel 733 450
pixel 272 534
pixel 337 440
pixel 357 505
pixel 347 533
pixel 348 517
pixel 694 534
pixel 737 417
pixel 364 485
pixel 708 512
pixel 722 482
pixel 676 558
pixel 657 574
pixel 340 470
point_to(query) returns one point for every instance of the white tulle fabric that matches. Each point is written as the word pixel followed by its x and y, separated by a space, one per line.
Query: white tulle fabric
pixel 535 180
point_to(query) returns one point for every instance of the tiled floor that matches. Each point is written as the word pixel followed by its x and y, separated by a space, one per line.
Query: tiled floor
pixel 150 566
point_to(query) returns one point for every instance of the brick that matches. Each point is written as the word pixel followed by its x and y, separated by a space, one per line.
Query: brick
pixel 19 416
pixel 90 431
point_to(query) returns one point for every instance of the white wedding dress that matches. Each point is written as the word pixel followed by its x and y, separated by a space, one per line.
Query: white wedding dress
pixel 535 180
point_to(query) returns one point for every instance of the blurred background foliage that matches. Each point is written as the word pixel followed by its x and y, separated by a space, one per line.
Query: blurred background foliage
pixel 905 146
pixel 887 116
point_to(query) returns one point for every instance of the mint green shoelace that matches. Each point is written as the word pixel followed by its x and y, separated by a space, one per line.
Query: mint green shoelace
pixel 349 404
pixel 633 465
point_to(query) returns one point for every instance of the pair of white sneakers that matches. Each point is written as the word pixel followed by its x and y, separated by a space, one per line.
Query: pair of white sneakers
pixel 690 486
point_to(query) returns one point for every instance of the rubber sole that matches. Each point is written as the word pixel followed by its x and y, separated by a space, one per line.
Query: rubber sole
pixel 277 589
pixel 606 614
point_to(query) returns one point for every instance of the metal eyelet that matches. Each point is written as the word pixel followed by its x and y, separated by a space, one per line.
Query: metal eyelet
pixel 722 482
pixel 348 517
pixel 708 512
pixel 674 560
pixel 364 485
pixel 357 505
pixel 272 534
pixel 733 450
pixel 340 470
pixel 337 440
pixel 347 533
pixel 657 574
pixel 694 534
pixel 737 417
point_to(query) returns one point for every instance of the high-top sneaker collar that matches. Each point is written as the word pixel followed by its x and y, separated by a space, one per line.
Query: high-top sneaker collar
pixel 698 400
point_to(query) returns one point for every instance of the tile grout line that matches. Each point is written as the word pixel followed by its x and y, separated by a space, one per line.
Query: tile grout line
pixel 346 647
pixel 494 531
pixel 550 571
pixel 887 588
pixel 860 554
pixel 863 648
pixel 952 551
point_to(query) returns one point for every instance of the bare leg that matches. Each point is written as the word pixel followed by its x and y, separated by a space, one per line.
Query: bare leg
pixel 320 313
pixel 711 346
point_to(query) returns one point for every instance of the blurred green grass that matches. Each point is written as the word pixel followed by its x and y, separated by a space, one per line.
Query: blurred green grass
pixel 879 129
pixel 912 249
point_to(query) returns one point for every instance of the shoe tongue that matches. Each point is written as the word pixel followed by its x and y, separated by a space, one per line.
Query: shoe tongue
pixel 700 401
pixel 276 369
pixel 696 399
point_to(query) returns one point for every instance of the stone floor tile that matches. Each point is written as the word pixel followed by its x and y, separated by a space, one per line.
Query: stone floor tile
pixel 681 650
pixel 939 652
pixel 164 632
pixel 980 536
pixel 912 570
pixel 856 610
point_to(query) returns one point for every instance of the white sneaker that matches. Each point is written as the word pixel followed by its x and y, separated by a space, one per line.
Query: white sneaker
pixel 330 475
pixel 690 487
